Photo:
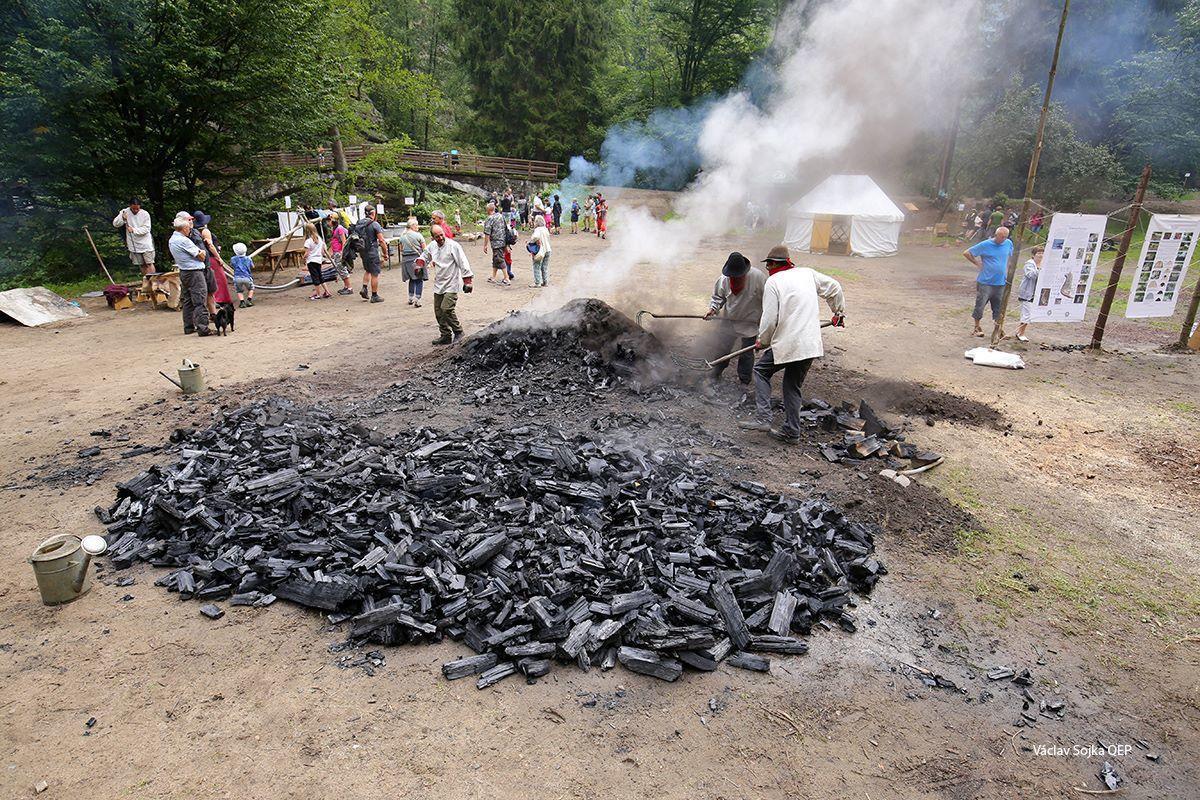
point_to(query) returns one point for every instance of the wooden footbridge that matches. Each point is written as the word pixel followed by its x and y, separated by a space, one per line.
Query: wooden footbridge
pixel 448 163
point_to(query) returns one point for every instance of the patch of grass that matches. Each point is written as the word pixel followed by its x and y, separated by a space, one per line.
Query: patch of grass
pixel 75 288
pixel 841 274
pixel 1184 406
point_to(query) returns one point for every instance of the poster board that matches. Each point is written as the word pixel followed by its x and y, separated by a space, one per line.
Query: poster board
pixel 1068 267
pixel 1162 268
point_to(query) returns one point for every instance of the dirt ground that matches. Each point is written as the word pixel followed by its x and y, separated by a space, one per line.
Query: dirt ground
pixel 1058 536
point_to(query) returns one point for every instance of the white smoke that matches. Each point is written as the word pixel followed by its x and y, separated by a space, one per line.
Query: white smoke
pixel 856 82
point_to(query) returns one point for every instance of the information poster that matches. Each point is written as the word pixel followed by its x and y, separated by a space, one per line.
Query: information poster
pixel 1068 266
pixel 1162 268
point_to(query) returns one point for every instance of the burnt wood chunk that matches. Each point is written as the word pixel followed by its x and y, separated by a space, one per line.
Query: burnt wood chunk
pixel 631 600
pixel 731 614
pixel 483 552
pixel 749 661
pixel 648 662
pixel 781 613
pixel 469 665
pixel 778 644
pixel 326 595
pixel 494 675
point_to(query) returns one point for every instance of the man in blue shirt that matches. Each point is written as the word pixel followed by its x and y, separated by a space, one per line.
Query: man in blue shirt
pixel 991 257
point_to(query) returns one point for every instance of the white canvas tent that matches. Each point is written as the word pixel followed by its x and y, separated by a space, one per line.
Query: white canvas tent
pixel 847 215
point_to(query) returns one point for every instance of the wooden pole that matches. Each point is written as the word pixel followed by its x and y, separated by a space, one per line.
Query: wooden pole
pixel 1185 334
pixel 1022 221
pixel 1110 291
pixel 98 258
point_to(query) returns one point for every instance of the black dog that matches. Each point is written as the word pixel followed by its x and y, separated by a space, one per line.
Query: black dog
pixel 223 318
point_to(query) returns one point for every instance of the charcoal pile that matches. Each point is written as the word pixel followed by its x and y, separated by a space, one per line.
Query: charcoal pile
pixel 585 331
pixel 864 435
pixel 529 545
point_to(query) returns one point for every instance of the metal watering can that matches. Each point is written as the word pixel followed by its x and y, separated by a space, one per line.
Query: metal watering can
pixel 191 378
pixel 60 565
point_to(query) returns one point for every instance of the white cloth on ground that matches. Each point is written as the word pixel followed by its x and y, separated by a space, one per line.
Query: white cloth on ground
pixel 791 323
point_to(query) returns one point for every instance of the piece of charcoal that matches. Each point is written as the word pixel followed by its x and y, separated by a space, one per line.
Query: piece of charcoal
pixel 496 674
pixel 731 613
pixel 212 611
pixel 326 595
pixel 778 644
pixel 647 662
pixel 749 661
pixel 534 668
pixel 782 611
pixel 469 665
pixel 483 552
pixel 696 660
pixel 631 600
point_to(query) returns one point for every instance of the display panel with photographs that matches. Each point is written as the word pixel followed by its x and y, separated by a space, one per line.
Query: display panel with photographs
pixel 1162 269
pixel 1068 266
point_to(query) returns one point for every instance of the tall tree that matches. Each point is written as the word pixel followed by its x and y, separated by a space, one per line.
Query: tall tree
pixel 169 99
pixel 1156 114
pixel 535 74
pixel 994 153
pixel 712 41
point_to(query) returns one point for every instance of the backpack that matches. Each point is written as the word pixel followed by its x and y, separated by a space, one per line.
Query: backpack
pixel 356 240
pixel 510 235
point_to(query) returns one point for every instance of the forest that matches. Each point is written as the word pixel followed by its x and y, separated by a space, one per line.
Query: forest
pixel 173 100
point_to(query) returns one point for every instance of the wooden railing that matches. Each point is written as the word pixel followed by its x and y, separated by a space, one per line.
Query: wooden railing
pixel 442 163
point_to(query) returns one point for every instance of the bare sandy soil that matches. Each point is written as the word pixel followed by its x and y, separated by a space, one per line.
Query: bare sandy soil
pixel 1080 565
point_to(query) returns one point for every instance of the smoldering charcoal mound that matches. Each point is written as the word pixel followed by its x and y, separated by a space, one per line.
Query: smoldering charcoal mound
pixel 584 332
pixel 529 545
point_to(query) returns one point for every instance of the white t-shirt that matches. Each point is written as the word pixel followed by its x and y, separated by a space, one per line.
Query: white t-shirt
pixel 314 250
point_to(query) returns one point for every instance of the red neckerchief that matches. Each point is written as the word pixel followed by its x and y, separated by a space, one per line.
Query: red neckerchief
pixel 737 284
pixel 772 268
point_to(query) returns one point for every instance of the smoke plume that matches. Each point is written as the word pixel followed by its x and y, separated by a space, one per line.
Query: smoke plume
pixel 853 83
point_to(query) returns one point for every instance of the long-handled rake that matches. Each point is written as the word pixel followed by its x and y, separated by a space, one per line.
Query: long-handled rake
pixel 703 365
pixel 685 362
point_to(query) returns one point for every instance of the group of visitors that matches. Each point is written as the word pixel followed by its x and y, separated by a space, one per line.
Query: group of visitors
pixel 776 314
pixel 981 223
pixel 203 281
pixel 499 237
pixel 330 237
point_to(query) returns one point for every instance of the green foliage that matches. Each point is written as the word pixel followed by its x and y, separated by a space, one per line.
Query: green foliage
pixel 710 41
pixel 993 154
pixel 533 70
pixel 1156 115
pixel 167 99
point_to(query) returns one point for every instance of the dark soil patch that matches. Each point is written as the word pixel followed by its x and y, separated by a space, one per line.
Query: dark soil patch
pixel 907 398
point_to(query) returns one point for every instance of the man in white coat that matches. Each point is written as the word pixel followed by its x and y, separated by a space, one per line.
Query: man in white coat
pixel 789 333
pixel 451 275
pixel 136 221
pixel 737 298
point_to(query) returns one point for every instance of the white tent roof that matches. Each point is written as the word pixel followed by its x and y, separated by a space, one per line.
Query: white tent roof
pixel 849 196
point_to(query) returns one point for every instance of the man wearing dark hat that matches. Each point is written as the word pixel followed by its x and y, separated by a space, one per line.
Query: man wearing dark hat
pixel 789 334
pixel 737 297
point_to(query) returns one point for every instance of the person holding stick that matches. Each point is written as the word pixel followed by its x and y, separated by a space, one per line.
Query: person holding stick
pixel 737 296
pixel 789 338
pixel 139 242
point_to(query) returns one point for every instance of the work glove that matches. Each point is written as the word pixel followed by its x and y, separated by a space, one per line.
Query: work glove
pixel 467 288
pixel 839 321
